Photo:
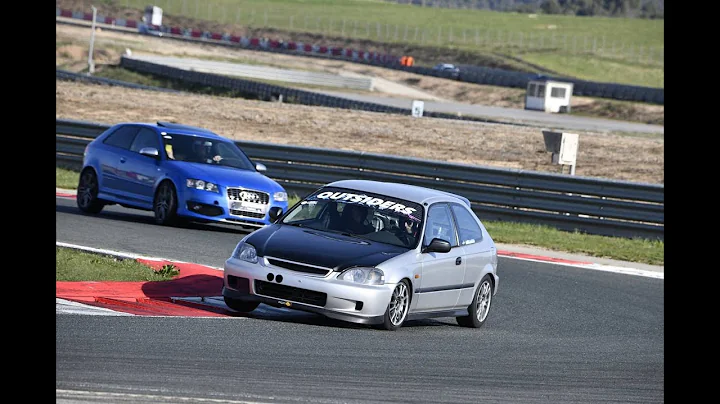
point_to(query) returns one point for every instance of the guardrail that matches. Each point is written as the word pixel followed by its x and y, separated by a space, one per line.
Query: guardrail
pixel 468 73
pixel 66 75
pixel 262 72
pixel 571 203
pixel 270 91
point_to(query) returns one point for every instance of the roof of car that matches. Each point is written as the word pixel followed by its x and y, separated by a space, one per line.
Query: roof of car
pixel 412 193
pixel 179 128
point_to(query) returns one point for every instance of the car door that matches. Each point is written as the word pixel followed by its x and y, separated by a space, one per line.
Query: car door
pixel 441 274
pixel 111 159
pixel 142 171
pixel 478 250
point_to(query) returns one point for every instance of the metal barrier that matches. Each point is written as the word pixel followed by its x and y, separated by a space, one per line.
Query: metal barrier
pixel 270 91
pixel 571 203
pixel 260 72
pixel 67 75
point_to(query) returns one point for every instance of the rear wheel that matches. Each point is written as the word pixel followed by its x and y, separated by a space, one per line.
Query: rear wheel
pixel 241 305
pixel 397 309
pixel 165 204
pixel 87 192
pixel 480 306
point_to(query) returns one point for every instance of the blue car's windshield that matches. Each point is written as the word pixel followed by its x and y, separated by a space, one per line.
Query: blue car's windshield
pixel 205 150
pixel 361 214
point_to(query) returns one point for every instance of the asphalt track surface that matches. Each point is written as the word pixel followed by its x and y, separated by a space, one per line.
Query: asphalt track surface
pixel 555 334
pixel 510 115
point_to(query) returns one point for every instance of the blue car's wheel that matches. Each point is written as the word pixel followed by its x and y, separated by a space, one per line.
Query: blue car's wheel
pixel 87 192
pixel 165 204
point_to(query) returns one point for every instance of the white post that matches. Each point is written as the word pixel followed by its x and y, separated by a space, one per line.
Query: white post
pixel 91 64
pixel 572 169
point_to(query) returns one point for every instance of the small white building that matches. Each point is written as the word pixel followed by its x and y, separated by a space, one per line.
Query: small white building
pixel 548 95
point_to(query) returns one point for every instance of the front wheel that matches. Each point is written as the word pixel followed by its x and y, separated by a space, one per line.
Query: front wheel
pixel 397 309
pixel 480 306
pixel 241 305
pixel 165 204
pixel 87 192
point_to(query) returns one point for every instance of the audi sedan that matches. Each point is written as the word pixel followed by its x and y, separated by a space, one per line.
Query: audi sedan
pixel 179 172
pixel 371 253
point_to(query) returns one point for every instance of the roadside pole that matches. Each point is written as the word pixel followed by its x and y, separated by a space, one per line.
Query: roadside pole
pixel 91 64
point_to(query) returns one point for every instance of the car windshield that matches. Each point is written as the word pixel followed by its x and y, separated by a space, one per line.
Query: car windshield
pixel 360 214
pixel 205 150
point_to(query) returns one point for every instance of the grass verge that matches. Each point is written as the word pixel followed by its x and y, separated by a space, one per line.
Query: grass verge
pixel 607 49
pixel 73 266
pixel 633 250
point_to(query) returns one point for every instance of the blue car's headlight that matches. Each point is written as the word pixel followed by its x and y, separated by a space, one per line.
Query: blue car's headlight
pixel 365 276
pixel 202 185
pixel 245 252
pixel 280 196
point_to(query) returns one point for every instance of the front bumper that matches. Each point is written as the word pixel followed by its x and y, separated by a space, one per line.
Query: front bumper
pixel 215 207
pixel 325 295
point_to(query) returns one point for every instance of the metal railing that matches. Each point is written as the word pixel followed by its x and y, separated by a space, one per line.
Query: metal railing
pixel 572 203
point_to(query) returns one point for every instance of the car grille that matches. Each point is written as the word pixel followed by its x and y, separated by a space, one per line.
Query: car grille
pixel 248 195
pixel 290 293
pixel 247 202
pixel 298 267
pixel 236 212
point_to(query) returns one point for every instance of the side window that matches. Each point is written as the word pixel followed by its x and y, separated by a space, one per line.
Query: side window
pixel 557 92
pixel 440 225
pixel 468 230
pixel 541 91
pixel 122 137
pixel 145 138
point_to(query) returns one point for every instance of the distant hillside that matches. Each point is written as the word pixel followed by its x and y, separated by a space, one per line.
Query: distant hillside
pixel 654 9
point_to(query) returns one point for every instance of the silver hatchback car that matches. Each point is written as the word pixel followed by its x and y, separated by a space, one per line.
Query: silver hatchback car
pixel 371 253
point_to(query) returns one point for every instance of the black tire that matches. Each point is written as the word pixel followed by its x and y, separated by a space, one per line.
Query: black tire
pixel 87 192
pixel 400 299
pixel 165 204
pixel 480 306
pixel 240 305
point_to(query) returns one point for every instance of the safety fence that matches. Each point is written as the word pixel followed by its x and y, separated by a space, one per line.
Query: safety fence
pixel 470 74
pixel 571 203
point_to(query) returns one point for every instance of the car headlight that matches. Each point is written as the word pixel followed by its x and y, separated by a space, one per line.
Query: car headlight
pixel 202 185
pixel 280 196
pixel 245 252
pixel 365 276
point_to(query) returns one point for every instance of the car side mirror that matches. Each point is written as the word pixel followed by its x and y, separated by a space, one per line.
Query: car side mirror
pixel 437 245
pixel 150 152
pixel 260 167
pixel 275 213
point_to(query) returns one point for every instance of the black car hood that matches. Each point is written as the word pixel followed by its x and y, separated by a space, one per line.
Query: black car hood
pixel 321 248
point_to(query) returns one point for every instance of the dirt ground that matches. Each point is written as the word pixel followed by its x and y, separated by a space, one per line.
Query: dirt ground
pixel 611 156
pixel 72 44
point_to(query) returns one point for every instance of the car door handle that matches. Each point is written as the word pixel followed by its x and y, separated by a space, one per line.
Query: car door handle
pixel 458 260
pixel 122 159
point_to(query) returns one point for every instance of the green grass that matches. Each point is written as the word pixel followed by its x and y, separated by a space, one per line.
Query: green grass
pixel 73 265
pixel 604 49
pixel 65 178
pixel 608 49
pixel 634 250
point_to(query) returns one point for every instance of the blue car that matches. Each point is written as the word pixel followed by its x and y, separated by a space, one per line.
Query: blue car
pixel 179 172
